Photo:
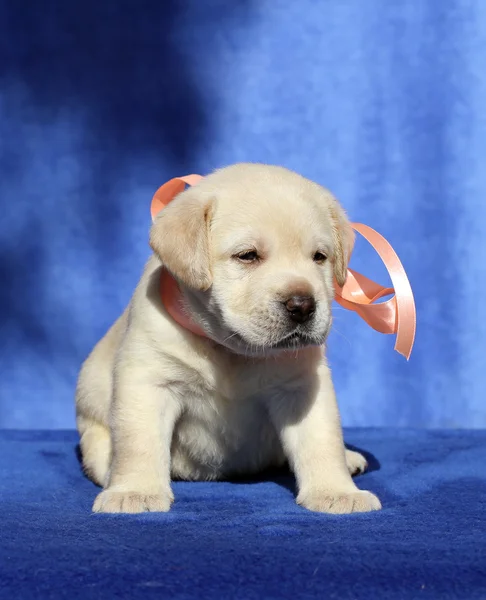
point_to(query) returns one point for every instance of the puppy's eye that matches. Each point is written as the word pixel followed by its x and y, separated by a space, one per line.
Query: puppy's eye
pixel 248 257
pixel 320 258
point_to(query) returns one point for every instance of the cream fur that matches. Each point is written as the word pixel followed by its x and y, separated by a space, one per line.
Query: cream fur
pixel 155 402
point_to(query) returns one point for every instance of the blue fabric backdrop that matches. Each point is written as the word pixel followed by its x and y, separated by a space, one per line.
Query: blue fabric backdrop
pixel 382 102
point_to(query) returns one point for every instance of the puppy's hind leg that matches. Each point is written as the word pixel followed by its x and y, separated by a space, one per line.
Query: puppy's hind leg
pixel 356 462
pixel 93 402
pixel 95 449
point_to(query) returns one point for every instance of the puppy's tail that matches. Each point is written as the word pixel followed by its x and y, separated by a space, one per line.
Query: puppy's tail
pixel 96 450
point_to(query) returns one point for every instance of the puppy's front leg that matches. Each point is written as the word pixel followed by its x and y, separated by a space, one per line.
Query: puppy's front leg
pixel 143 418
pixel 310 430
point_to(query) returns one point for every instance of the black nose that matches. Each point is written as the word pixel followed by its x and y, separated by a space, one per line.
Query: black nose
pixel 301 308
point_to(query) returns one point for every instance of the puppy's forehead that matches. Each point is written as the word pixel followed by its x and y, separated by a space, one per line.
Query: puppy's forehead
pixel 264 208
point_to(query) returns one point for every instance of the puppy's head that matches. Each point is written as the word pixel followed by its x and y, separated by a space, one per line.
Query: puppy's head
pixel 256 249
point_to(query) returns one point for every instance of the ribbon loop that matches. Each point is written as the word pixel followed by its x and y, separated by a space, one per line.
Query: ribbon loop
pixel 169 191
pixel 359 294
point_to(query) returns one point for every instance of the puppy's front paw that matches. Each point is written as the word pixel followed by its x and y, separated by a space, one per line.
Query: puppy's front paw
pixel 356 462
pixel 131 502
pixel 339 502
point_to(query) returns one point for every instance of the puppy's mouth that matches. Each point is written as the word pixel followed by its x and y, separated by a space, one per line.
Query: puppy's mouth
pixel 294 340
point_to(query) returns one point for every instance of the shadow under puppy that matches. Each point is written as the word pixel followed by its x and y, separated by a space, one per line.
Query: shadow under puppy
pixel 255 250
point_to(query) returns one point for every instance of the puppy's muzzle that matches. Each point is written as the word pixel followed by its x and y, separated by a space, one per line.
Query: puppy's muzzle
pixel 300 309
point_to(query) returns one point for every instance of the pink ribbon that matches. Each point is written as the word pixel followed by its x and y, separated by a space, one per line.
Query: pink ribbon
pixel 396 315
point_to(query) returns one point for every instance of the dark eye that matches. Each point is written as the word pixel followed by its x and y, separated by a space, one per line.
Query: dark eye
pixel 319 258
pixel 248 257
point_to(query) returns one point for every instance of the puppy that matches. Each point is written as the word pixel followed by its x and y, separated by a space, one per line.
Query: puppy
pixel 255 250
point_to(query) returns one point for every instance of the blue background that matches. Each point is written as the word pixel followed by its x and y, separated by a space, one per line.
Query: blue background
pixel 382 102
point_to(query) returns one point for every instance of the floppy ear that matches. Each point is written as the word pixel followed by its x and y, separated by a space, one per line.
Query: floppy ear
pixel 343 236
pixel 180 237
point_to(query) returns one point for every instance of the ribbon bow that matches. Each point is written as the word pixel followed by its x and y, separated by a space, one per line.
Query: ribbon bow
pixel 359 294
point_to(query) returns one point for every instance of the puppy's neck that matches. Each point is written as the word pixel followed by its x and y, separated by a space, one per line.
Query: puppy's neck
pixel 172 300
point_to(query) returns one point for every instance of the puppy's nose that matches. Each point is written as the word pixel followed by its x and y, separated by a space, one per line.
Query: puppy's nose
pixel 301 308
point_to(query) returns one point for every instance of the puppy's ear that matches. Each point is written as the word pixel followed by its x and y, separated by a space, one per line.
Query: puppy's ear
pixel 180 237
pixel 343 237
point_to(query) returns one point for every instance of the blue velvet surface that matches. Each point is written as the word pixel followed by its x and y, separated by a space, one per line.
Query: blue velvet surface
pixel 250 540
pixel 383 102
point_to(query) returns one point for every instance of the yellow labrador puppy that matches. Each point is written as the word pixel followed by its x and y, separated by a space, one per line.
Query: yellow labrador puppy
pixel 254 249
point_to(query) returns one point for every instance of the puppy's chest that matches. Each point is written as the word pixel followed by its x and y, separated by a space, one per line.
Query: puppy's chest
pixel 227 392
pixel 227 385
pixel 225 417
